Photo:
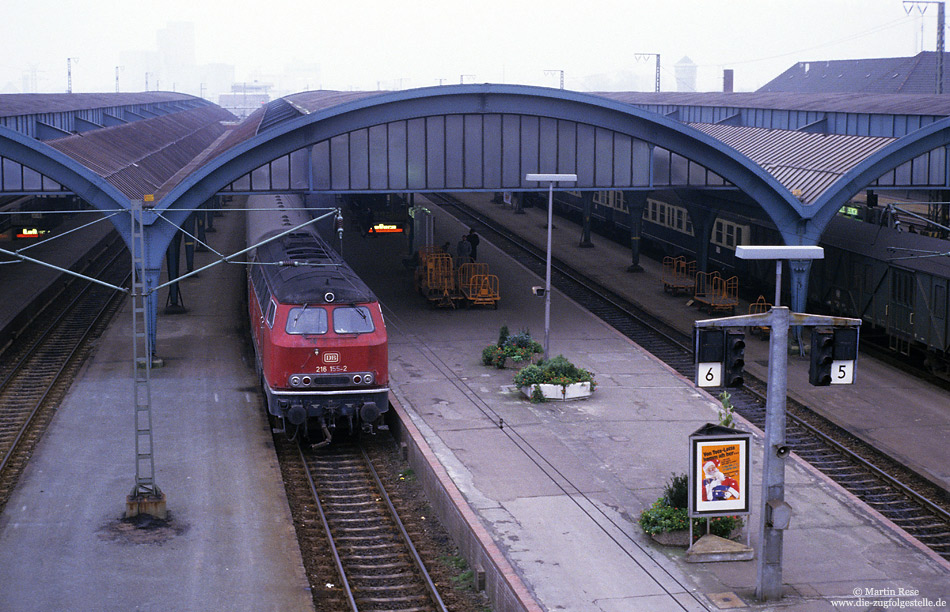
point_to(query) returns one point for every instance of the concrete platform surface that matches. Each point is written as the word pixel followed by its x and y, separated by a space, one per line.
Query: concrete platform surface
pixel 886 407
pixel 560 485
pixel 230 542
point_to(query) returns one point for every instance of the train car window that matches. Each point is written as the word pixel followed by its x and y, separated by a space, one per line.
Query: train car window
pixel 307 320
pixel 940 301
pixel 271 313
pixel 902 287
pixel 352 320
pixel 260 287
pixel 718 239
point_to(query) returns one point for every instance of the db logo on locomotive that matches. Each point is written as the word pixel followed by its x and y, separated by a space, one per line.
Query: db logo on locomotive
pixel 330 357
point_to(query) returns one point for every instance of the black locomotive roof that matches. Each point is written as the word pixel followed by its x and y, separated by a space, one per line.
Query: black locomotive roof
pixel 310 269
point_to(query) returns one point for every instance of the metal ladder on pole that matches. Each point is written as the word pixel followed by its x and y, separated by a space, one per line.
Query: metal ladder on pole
pixel 146 497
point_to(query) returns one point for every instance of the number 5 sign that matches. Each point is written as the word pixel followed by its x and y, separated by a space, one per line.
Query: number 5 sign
pixel 842 372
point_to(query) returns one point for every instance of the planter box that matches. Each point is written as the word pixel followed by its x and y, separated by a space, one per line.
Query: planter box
pixel 557 392
pixel 680 537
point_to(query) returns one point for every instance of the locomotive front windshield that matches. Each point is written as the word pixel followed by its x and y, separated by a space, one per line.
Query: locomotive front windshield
pixel 352 320
pixel 307 320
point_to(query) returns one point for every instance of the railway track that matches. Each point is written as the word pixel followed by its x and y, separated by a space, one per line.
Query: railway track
pixel 38 366
pixel 359 554
pixel 904 497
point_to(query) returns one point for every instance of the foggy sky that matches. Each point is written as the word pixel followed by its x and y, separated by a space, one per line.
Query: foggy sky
pixel 374 44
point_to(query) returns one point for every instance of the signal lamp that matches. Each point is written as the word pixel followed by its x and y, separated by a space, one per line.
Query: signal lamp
pixel 822 355
pixel 735 358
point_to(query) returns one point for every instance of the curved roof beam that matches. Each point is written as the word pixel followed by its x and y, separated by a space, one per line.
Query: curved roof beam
pixel 785 210
pixel 66 171
pixel 900 151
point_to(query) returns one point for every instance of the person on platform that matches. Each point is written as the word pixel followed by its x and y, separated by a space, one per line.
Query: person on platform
pixel 473 240
pixel 464 251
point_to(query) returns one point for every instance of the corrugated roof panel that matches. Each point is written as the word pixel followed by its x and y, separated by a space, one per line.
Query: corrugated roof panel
pixel 888 104
pixel 799 160
pixel 31 104
pixel 139 157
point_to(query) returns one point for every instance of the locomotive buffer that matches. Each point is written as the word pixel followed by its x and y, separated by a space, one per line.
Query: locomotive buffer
pixel 719 353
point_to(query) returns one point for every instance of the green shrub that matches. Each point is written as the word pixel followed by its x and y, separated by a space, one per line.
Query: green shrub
pixel 537 396
pixel 660 518
pixel 517 347
pixel 555 371
pixel 502 335
pixel 669 513
pixel 676 491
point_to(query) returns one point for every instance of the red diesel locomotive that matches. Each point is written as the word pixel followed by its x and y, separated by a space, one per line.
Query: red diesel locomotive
pixel 318 331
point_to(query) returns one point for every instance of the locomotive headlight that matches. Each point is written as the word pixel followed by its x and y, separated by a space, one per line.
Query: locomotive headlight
pixel 306 381
pixel 367 379
pixel 357 379
pixel 294 381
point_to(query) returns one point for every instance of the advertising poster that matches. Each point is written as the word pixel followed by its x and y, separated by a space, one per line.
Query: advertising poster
pixel 721 476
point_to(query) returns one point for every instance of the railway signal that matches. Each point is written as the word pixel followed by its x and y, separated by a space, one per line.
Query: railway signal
pixel 735 358
pixel 709 355
pixel 843 334
pixel 833 353
pixel 720 357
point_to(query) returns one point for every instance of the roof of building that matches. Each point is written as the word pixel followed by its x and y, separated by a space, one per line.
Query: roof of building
pixel 905 75
pixel 31 104
pixel 139 157
pixel 803 162
pixel 854 102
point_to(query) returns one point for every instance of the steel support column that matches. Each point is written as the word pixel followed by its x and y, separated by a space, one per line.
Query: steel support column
pixel 636 201
pixel 587 202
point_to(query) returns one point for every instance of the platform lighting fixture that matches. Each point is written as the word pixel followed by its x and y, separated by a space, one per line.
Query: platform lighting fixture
pixel 550 179
pixel 779 253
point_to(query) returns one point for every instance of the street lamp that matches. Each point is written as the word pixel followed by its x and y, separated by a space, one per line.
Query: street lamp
pixel 550 179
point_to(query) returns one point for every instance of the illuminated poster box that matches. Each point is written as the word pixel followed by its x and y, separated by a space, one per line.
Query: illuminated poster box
pixel 719 473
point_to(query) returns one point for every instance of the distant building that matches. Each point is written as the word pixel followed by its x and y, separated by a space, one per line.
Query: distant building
pixel 905 75
pixel 245 98
pixel 685 71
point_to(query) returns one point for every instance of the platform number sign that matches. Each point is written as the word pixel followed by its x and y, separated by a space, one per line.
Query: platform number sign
pixel 842 372
pixel 833 354
pixel 709 374
pixel 710 348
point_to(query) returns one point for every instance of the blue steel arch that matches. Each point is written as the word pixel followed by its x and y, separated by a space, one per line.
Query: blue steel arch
pixel 66 171
pixel 783 208
pixel 900 151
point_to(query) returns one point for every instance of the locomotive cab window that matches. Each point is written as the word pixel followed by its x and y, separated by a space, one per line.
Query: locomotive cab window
pixel 307 320
pixel 352 320
pixel 271 313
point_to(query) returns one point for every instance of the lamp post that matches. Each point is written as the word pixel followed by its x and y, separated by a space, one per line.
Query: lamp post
pixel 550 179
pixel 769 569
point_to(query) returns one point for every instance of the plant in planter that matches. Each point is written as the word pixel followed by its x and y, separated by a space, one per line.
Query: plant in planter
pixel 667 520
pixel 511 350
pixel 557 372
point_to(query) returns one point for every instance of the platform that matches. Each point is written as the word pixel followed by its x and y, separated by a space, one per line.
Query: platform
pixel 230 543
pixel 559 485
pixel 34 284
pixel 886 407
